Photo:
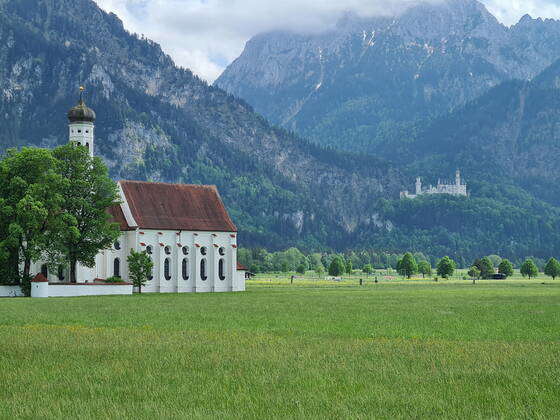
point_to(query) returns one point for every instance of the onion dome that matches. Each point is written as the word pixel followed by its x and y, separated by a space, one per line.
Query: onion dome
pixel 81 112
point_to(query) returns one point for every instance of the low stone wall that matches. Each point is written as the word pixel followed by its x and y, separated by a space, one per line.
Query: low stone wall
pixel 90 289
pixel 80 289
pixel 10 291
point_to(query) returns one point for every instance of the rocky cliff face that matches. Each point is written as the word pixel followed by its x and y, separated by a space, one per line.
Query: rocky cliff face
pixel 160 122
pixel 369 79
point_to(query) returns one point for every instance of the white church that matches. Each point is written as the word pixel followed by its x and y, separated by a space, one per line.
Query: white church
pixel 185 229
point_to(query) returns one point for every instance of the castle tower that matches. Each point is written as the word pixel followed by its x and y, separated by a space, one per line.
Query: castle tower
pixel 418 186
pixel 81 119
pixel 458 178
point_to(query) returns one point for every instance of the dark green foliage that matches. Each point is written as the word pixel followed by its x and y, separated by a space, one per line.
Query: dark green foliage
pixel 552 268
pixel 31 203
pixel 140 267
pixel 485 266
pixel 337 267
pixel 87 193
pixel 506 267
pixel 474 272
pixel 445 267
pixel 424 268
pixel 407 266
pixel 349 268
pixel 301 269
pixel 529 269
pixel 114 280
pixel 368 269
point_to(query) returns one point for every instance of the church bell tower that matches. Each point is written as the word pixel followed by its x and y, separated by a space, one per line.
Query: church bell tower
pixel 81 119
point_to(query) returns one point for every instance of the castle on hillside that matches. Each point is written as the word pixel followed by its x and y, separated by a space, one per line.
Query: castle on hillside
pixel 457 188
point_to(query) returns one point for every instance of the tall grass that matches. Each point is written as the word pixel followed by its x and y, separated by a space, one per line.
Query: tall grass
pixel 388 350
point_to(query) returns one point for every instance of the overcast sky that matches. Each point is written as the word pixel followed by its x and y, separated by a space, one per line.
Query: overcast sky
pixel 206 35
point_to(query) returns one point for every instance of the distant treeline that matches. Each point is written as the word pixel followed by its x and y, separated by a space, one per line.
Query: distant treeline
pixel 259 260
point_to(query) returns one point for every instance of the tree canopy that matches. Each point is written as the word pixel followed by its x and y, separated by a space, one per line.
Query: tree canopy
pixel 53 206
pixel 552 268
pixel 529 269
pixel 446 267
pixel 407 266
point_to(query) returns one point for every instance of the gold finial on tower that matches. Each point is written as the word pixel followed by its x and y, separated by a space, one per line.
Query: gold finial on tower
pixel 82 88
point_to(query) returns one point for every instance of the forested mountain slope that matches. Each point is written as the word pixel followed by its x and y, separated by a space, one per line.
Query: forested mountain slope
pixel 159 122
pixel 372 79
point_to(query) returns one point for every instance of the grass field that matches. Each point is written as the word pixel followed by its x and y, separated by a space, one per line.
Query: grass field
pixel 314 350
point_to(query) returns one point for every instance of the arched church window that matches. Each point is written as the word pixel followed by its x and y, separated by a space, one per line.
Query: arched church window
pixel 203 274
pixel 167 250
pixel 45 270
pixel 222 251
pixel 149 250
pixel 117 267
pixel 203 250
pixel 167 269
pixel 185 268
pixel 87 145
pixel 185 250
pixel 221 269
pixel 117 245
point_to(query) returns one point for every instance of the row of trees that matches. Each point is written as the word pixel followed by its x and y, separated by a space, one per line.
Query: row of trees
pixel 407 265
pixel 53 207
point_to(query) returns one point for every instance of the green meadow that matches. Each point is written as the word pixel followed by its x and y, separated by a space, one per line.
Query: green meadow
pixel 312 349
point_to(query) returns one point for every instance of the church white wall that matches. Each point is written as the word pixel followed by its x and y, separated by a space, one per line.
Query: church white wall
pixel 194 244
pixel 174 242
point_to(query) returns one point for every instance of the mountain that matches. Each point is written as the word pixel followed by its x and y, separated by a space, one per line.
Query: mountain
pixel 511 134
pixel 160 122
pixel 372 79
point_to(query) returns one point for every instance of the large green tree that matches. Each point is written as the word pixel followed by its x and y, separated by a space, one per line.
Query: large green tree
pixel 529 269
pixel 88 192
pixel 506 268
pixel 446 267
pixel 486 267
pixel 30 205
pixel 552 268
pixel 407 266
pixel 337 267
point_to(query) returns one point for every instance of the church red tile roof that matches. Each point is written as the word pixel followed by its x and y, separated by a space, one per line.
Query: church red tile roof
pixel 156 205
pixel 241 267
pixel 117 216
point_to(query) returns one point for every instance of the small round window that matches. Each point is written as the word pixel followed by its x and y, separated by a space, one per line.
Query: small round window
pixel 167 250
pixel 117 245
pixel 185 250
pixel 222 251
pixel 203 250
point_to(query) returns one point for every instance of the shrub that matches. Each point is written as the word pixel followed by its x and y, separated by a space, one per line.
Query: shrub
pixel 114 280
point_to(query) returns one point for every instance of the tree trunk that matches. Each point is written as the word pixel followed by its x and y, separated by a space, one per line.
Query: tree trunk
pixel 26 268
pixel 73 271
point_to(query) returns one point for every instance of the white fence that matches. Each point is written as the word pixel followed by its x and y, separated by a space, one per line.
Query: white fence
pixel 10 291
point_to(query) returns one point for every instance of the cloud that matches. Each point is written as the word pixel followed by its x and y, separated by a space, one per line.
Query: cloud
pixel 510 11
pixel 206 35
